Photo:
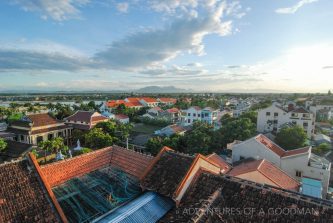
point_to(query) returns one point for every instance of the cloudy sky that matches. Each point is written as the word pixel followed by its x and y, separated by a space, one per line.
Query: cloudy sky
pixel 205 45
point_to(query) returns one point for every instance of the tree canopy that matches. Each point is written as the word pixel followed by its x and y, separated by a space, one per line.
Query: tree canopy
pixel 291 137
pixel 3 145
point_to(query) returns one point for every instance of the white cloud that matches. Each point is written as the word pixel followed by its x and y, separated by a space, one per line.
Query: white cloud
pixel 122 7
pixel 57 10
pixel 294 8
pixel 44 55
pixel 182 35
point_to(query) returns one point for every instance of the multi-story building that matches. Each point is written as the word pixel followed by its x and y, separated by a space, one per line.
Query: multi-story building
pixel 85 120
pixel 196 113
pixel 298 163
pixel 271 119
pixel 35 128
pixel 172 114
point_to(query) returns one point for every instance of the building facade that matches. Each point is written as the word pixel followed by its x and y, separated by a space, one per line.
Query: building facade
pixel 36 128
pixel 271 119
pixel 296 163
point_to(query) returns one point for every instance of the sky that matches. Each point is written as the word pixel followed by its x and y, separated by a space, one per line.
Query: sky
pixel 203 45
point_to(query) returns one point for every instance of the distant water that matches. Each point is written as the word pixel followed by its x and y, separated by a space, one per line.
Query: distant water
pixel 6 103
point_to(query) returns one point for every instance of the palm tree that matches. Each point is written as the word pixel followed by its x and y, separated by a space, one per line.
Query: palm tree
pixel 46 146
pixel 57 144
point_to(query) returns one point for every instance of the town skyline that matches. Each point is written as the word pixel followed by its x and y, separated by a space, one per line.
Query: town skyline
pixel 212 46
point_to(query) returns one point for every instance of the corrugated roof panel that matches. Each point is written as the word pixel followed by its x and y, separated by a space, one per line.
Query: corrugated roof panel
pixel 148 208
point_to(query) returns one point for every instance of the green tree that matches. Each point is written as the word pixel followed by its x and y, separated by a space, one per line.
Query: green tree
pixel 46 146
pixel 237 129
pixel 154 145
pixel 322 148
pixel 97 139
pixel 78 134
pixel 57 144
pixel 199 139
pixel 252 115
pixel 3 144
pixel 329 92
pixel 291 137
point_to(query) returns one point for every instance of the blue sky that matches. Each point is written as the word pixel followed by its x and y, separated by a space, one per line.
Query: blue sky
pixel 205 45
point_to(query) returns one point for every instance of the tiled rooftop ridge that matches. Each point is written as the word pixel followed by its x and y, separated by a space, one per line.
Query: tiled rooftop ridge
pixel 269 144
pixel 132 162
pixel 23 196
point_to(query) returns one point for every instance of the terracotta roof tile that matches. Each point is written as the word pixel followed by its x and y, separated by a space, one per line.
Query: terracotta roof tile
pixel 225 167
pixel 129 161
pixel 269 170
pixel 149 100
pixel 277 149
pixel 121 116
pixel 300 110
pixel 42 119
pixel 173 110
pixel 211 196
pixel 23 198
pixel 167 100
pixel 167 173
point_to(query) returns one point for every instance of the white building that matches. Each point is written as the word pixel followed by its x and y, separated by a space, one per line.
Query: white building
pixel 195 113
pixel 297 163
pixel 272 118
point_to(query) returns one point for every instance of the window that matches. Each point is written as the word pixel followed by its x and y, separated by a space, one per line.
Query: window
pixel 22 138
pixel 206 114
pixel 275 121
pixel 276 114
pixel 194 115
pixel 305 124
pixel 188 114
pixel 298 173
pixel 188 120
pixel 268 113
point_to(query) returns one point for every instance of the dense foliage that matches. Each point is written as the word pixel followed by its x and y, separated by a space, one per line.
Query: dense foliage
pixel 291 137
pixel 3 145
pixel 203 138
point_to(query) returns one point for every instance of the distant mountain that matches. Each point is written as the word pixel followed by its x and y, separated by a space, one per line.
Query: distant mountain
pixel 158 89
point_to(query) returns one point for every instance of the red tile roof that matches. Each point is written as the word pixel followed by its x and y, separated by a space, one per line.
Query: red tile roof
pixel 114 103
pixel 173 110
pixel 133 104
pixel 121 116
pixel 300 110
pixel 23 198
pixel 277 149
pixel 177 128
pixel 218 160
pixel 42 119
pixel 81 116
pixel 149 100
pixel 131 162
pixel 167 100
pixel 268 170
pixel 133 99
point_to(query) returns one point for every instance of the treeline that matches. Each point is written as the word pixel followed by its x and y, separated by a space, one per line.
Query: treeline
pixel 204 139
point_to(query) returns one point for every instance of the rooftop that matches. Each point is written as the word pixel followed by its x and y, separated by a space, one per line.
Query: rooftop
pixel 211 196
pixel 269 174
pixel 167 173
pixel 269 144
pixel 23 197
